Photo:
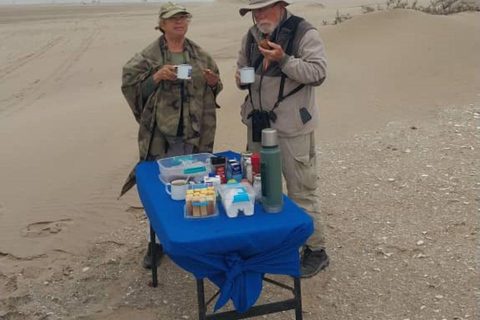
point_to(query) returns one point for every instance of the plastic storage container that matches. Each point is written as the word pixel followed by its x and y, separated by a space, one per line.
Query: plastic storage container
pixel 237 199
pixel 200 201
pixel 195 166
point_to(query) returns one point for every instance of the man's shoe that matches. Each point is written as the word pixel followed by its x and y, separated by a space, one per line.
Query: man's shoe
pixel 313 262
pixel 147 260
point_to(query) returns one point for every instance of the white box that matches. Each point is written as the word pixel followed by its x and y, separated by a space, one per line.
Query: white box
pixel 237 198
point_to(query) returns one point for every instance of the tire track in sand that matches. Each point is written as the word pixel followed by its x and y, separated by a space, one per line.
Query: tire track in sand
pixel 21 61
pixel 33 92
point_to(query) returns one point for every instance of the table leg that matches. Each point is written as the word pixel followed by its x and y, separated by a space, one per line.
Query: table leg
pixel 298 298
pixel 258 310
pixel 201 300
pixel 154 257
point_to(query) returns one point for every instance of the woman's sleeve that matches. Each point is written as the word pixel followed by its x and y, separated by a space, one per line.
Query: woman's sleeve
pixel 135 72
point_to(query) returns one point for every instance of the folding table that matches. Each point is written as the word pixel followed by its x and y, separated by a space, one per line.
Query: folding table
pixel 233 253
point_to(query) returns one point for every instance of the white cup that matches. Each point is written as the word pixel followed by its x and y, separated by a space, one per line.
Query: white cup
pixel 184 71
pixel 247 75
pixel 177 189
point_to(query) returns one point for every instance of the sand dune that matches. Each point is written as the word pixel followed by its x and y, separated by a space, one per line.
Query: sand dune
pixel 397 64
pixel 68 138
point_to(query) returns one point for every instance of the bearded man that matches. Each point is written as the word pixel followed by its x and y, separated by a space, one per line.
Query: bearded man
pixel 289 61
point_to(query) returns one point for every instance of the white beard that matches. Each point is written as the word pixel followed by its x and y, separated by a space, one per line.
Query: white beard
pixel 266 29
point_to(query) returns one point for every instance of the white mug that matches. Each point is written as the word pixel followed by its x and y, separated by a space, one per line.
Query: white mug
pixel 247 75
pixel 177 189
pixel 184 71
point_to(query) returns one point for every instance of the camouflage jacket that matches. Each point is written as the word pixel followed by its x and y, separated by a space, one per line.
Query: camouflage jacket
pixel 199 113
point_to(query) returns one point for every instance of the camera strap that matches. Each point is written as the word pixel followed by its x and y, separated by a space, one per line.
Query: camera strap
pixel 183 94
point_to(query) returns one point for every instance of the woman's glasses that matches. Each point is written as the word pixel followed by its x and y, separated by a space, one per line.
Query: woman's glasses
pixel 180 18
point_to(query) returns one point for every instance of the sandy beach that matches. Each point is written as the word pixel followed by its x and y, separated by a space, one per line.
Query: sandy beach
pixel 399 162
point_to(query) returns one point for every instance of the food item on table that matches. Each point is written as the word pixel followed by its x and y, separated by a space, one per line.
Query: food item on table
pixel 188 201
pixel 203 207
pixel 196 209
pixel 211 205
pixel 200 202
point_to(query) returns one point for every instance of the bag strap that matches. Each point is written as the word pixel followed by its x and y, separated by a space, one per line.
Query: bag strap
pixel 250 45
pixel 292 24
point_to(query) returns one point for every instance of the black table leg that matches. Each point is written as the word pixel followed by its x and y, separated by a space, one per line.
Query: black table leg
pixel 201 300
pixel 298 298
pixel 294 303
pixel 154 257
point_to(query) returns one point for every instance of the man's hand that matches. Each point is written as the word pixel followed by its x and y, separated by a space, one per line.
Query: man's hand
pixel 237 78
pixel 167 72
pixel 211 77
pixel 274 54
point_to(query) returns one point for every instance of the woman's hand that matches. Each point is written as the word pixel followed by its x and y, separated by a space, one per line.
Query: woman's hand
pixel 237 78
pixel 167 72
pixel 211 77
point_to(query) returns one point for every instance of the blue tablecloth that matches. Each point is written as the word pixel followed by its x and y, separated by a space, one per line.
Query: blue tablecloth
pixel 233 253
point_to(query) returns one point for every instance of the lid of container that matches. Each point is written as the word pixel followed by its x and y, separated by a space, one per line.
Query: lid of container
pixel 269 138
pixel 241 196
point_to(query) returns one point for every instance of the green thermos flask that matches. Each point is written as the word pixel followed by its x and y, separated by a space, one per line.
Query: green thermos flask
pixel 271 172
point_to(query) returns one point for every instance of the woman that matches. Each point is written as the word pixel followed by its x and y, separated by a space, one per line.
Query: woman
pixel 175 116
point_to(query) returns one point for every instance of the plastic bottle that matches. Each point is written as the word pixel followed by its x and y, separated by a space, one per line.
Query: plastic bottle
pixel 255 159
pixel 257 187
pixel 243 161
pixel 248 170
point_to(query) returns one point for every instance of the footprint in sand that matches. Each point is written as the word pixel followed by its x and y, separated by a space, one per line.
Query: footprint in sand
pixel 8 285
pixel 138 212
pixel 45 228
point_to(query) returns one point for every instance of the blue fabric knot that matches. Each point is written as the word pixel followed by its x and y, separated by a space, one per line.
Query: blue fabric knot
pixel 235 266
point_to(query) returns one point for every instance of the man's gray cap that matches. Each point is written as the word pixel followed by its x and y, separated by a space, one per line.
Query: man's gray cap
pixel 257 4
